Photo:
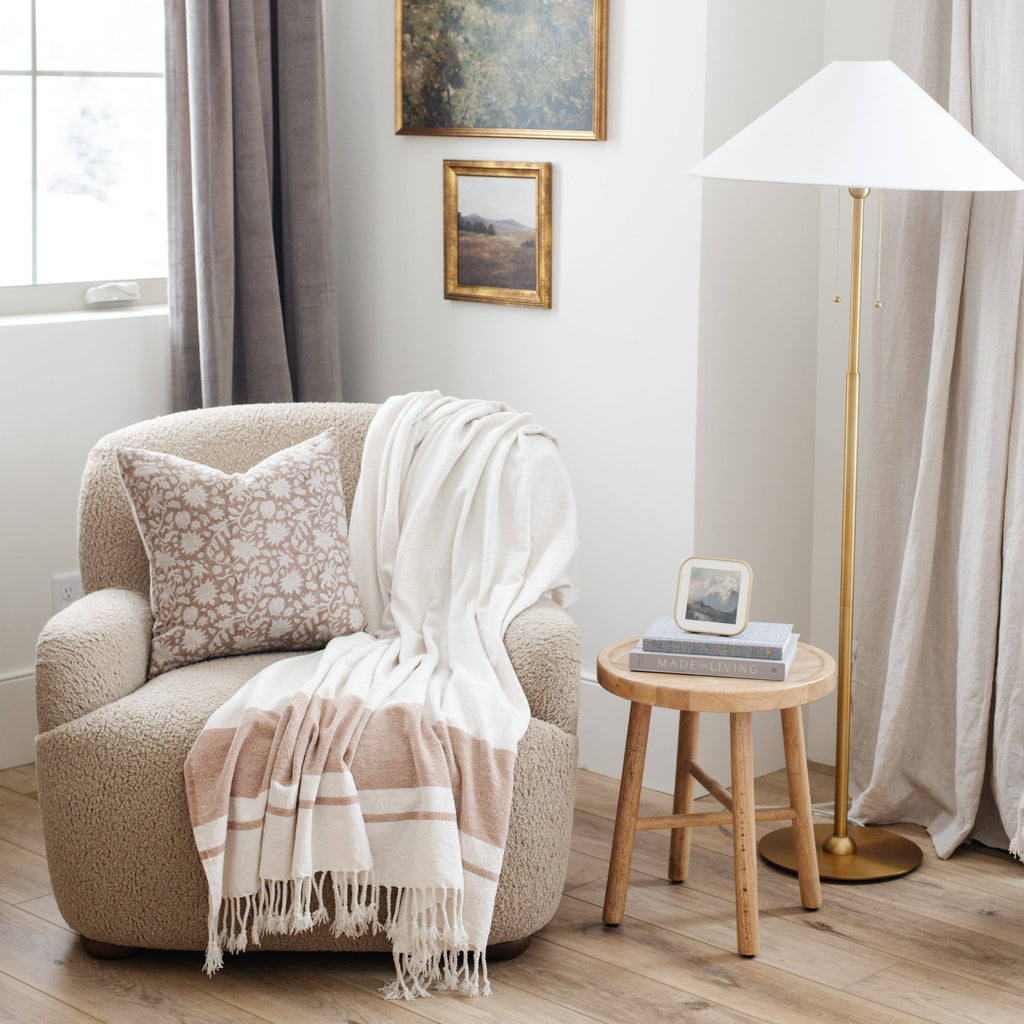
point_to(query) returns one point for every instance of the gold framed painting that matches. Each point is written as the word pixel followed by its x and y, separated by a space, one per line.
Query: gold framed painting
pixel 497 232
pixel 514 68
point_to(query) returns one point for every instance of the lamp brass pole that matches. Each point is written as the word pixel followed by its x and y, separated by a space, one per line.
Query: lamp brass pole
pixel 848 853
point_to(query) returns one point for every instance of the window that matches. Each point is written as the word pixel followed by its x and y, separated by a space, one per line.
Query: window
pixel 83 175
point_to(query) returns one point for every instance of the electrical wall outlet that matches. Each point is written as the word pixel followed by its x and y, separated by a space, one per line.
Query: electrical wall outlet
pixel 66 589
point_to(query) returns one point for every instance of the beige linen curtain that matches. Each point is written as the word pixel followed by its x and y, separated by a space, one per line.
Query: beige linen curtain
pixel 938 695
pixel 251 288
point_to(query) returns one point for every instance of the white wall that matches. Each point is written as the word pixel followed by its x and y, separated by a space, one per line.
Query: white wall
pixel 681 364
pixel 754 488
pixel 612 367
pixel 616 368
pixel 758 321
pixel 64 382
pixel 643 268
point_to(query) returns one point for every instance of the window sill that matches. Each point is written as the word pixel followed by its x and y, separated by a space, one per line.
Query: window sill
pixel 83 316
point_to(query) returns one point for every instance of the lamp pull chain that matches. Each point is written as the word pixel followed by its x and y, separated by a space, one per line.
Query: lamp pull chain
pixel 839 197
pixel 878 255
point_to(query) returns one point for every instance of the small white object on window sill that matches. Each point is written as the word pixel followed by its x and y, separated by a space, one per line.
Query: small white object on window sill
pixel 114 293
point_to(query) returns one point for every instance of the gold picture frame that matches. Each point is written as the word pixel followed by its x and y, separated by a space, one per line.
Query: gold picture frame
pixel 530 70
pixel 713 595
pixel 497 232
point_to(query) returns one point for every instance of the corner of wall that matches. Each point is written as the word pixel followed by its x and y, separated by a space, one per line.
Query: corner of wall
pixel 18 725
pixel 64 382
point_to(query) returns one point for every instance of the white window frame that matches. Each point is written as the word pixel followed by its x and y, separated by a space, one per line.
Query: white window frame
pixel 26 299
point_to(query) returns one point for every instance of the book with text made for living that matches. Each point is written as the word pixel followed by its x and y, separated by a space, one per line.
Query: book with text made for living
pixel 710 665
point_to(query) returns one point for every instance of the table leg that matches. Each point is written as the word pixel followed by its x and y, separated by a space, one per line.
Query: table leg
pixel 682 801
pixel 804 843
pixel 744 834
pixel 625 816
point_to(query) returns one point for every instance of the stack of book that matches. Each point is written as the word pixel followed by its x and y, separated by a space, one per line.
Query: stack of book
pixel 764 650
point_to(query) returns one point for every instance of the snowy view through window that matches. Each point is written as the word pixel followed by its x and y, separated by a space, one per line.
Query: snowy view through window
pixel 82 180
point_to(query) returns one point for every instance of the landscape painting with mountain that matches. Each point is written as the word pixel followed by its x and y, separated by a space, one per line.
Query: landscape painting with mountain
pixel 713 595
pixel 530 67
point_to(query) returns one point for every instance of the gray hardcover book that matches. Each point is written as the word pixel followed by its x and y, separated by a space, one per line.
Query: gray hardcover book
pixel 705 665
pixel 759 640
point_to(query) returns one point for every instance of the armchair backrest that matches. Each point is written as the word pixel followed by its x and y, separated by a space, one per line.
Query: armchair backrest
pixel 231 438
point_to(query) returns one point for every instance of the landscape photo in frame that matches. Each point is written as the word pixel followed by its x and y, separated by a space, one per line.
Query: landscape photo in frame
pixel 497 232
pixel 513 68
pixel 713 595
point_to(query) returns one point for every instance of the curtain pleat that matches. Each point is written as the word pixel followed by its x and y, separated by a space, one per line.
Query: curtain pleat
pixel 940 614
pixel 251 290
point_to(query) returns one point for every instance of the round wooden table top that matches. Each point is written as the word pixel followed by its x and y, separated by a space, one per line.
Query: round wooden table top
pixel 811 676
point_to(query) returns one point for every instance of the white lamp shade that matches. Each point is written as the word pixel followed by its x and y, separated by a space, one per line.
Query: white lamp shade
pixel 860 124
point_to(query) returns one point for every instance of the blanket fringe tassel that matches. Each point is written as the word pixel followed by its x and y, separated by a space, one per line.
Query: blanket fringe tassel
pixel 1017 842
pixel 430 945
pixel 464 972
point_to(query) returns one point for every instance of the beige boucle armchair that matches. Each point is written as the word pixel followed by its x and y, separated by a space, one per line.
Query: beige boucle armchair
pixel 111 747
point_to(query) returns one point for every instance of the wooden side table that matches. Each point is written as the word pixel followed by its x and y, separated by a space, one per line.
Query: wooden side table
pixel 812 676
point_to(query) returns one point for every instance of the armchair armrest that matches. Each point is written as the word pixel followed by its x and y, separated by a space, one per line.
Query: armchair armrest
pixel 544 644
pixel 91 653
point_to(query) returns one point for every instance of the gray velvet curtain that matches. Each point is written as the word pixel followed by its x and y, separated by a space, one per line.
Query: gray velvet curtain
pixel 938 692
pixel 251 287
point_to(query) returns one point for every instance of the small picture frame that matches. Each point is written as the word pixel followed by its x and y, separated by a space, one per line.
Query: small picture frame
pixel 497 232
pixel 713 595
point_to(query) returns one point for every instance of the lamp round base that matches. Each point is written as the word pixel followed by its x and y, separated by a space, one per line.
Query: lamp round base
pixel 880 854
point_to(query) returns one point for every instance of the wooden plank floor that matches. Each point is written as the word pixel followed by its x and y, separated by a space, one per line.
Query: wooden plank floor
pixel 945 944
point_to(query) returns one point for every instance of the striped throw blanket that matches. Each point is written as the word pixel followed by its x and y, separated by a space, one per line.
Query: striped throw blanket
pixel 368 786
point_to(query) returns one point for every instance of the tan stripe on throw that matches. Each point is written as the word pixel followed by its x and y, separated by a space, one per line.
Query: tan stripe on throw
pixel 397 750
pixel 482 784
pixel 241 826
pixel 226 762
pixel 317 737
pixel 491 876
pixel 372 819
pixel 305 805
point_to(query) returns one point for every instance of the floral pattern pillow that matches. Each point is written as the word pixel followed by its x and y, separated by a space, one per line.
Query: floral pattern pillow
pixel 242 562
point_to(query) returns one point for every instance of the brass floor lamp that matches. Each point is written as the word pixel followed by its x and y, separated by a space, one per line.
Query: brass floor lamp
pixel 861 125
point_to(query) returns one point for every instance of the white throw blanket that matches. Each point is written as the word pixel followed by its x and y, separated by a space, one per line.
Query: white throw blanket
pixel 369 784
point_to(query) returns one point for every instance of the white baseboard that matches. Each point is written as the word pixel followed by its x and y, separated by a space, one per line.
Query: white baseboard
pixel 602 733
pixel 18 726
